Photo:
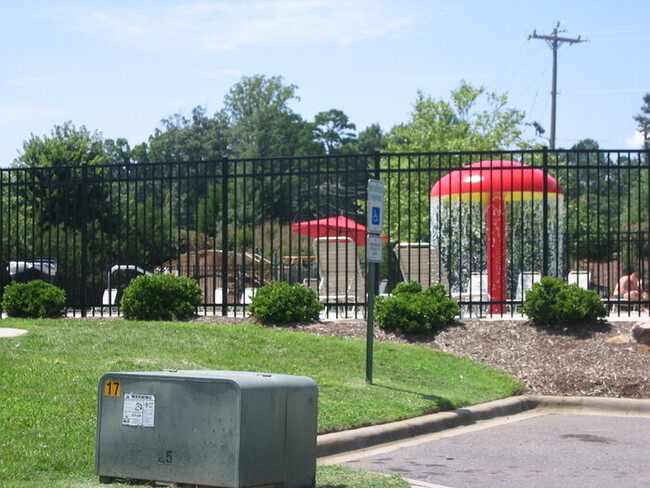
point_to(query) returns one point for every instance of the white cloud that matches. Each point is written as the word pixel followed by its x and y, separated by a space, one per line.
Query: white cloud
pixel 636 141
pixel 225 25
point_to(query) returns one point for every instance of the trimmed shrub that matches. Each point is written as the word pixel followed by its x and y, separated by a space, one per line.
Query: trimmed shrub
pixel 161 297
pixel 410 310
pixel 280 303
pixel 34 299
pixel 552 302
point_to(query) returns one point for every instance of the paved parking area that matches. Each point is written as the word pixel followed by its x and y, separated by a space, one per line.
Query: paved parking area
pixel 530 449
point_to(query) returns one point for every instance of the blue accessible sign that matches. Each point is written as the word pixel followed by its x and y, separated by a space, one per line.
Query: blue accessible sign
pixel 375 206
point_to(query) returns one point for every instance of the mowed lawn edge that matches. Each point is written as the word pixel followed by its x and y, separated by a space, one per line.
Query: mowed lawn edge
pixel 49 379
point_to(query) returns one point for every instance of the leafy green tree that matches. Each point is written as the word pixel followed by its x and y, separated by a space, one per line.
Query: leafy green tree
pixel 630 223
pixel 262 124
pixel 192 140
pixel 345 187
pixel 57 163
pixel 587 189
pixel 635 208
pixel 198 138
pixel 643 119
pixel 458 124
pixel 587 179
pixel 471 120
pixel 65 215
pixel 295 137
pixel 334 130
pixel 118 152
pixel 66 146
pixel 370 140
pixel 139 153
pixel 208 216
pixel 259 117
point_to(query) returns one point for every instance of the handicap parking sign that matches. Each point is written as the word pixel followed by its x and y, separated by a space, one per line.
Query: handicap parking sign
pixel 375 205
pixel 376 216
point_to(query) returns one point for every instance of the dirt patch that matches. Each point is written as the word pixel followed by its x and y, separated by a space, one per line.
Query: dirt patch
pixel 567 363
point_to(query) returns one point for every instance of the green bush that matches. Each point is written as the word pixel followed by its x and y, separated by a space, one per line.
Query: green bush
pixel 161 297
pixel 280 303
pixel 410 310
pixel 552 302
pixel 34 299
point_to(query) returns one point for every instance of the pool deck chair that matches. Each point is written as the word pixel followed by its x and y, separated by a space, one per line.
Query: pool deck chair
pixel 247 295
pixel 341 281
pixel 580 278
pixel 525 282
pixel 312 283
pixel 476 297
pixel 420 261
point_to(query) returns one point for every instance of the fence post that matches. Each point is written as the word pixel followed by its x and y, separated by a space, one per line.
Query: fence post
pixel 545 213
pixel 371 283
pixel 377 175
pixel 647 236
pixel 84 238
pixel 224 235
pixel 3 263
pixel 377 164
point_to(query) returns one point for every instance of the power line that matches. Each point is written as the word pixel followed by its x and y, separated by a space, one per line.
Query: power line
pixel 554 41
pixel 503 70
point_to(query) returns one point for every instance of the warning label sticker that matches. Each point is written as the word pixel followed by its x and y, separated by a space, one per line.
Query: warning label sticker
pixel 138 410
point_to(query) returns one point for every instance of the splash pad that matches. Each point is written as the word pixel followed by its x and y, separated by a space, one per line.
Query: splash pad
pixel 493 185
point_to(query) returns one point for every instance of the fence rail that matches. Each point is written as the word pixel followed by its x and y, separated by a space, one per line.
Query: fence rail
pixel 228 223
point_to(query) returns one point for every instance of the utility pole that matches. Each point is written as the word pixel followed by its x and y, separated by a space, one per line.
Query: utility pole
pixel 554 42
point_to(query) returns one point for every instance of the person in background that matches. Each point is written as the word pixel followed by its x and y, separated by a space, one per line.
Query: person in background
pixel 629 288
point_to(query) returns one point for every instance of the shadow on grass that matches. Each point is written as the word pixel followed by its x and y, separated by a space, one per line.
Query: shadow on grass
pixel 463 416
pixel 443 404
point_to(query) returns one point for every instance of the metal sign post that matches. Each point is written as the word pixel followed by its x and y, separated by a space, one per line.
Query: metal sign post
pixel 374 247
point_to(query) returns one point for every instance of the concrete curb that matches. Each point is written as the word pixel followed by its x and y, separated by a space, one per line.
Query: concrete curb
pixel 594 405
pixel 364 437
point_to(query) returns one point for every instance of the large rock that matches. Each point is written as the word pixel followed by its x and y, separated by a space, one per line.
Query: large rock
pixel 641 333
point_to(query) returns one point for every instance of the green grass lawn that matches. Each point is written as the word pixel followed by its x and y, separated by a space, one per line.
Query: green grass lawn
pixel 49 380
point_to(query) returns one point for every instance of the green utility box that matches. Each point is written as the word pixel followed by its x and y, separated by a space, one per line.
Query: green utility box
pixel 207 428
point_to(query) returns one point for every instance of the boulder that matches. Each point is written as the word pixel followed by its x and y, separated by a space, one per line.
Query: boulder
pixel 641 333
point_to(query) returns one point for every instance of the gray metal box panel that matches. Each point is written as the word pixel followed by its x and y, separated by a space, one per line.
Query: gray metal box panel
pixel 210 428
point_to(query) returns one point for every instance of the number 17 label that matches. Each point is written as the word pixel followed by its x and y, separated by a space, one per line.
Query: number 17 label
pixel 112 388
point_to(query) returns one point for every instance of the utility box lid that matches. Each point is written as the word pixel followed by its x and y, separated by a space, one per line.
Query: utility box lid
pixel 209 428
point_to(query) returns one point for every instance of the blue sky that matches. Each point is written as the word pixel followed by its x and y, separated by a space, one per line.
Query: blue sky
pixel 119 67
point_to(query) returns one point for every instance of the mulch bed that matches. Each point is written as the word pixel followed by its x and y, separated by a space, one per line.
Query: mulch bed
pixel 583 361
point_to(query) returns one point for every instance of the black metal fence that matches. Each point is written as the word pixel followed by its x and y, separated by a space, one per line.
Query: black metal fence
pixel 233 225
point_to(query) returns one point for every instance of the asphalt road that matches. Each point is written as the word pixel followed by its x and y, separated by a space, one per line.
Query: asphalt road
pixel 528 450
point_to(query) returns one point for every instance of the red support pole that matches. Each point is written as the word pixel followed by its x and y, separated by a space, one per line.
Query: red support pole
pixel 496 251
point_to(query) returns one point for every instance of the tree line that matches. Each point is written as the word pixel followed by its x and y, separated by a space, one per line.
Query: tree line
pixel 255 123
